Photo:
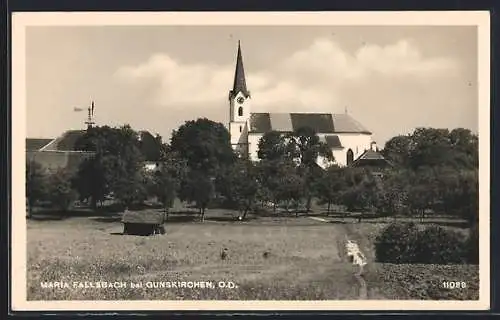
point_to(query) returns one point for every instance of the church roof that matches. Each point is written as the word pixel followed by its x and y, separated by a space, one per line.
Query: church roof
pixel 33 144
pixel 333 141
pixel 239 84
pixel 322 123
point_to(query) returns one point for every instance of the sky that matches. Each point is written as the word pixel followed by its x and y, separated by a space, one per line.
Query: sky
pixel 392 79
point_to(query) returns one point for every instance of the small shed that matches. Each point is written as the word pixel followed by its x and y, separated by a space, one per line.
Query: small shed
pixel 143 223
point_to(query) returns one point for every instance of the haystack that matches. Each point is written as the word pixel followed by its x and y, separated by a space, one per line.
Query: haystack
pixel 144 223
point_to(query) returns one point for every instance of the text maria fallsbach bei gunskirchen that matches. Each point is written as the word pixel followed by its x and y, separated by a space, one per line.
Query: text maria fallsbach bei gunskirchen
pixel 140 284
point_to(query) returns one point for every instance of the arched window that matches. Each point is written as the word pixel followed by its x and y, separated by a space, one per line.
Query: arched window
pixel 350 157
pixel 240 111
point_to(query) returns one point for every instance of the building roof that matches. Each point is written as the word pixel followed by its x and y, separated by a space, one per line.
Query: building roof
pixel 333 141
pixel 371 158
pixel 33 144
pixel 65 142
pixel 239 84
pixel 143 217
pixel 54 160
pixel 322 123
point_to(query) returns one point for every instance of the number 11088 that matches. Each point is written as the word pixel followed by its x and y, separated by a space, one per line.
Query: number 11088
pixel 454 285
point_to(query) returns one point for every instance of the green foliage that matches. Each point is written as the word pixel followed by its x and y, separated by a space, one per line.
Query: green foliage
pixel 199 188
pixel 204 144
pixel 272 146
pixel 116 167
pixel 394 243
pixel 438 245
pixel 130 189
pixel 60 192
pixel 472 245
pixel 241 185
pixel 405 243
pixel 36 184
pixel 434 147
pixel 167 180
pixel 329 185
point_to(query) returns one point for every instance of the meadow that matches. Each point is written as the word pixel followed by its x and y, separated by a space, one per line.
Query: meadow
pixel 268 258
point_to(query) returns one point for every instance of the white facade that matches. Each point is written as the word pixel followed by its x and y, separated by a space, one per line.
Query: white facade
pixel 356 142
pixel 239 113
pixel 246 143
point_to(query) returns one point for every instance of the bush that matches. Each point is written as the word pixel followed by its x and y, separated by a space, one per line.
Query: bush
pixel 60 191
pixel 472 246
pixel 394 243
pixel 405 243
pixel 439 246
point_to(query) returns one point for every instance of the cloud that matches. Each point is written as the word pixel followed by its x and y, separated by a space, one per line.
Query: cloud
pixel 314 76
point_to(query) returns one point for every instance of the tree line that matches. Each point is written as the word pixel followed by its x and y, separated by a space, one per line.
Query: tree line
pixel 433 171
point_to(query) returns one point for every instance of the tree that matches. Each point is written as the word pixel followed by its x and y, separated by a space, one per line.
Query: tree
pixel 306 146
pixel 423 192
pixel 270 176
pixel 92 180
pixel 116 167
pixel 394 192
pixel 199 188
pixel 290 187
pixel 167 180
pixel 329 185
pixel 242 185
pixel 397 150
pixel 273 146
pixel 204 144
pixel 36 185
pixel 129 189
pixel 430 147
pixel 60 191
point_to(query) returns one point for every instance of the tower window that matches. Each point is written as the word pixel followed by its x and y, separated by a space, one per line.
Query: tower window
pixel 240 128
pixel 240 111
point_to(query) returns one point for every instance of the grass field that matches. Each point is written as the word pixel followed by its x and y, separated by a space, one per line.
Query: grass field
pixel 279 258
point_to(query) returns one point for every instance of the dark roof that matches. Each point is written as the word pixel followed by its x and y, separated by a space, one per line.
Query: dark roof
pixel 332 141
pixel 65 142
pixel 239 84
pixel 144 216
pixel 149 146
pixel 36 143
pixel 260 122
pixel 320 122
pixel 371 158
pixel 53 160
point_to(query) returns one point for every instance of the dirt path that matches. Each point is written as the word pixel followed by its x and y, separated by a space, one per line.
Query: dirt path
pixel 363 287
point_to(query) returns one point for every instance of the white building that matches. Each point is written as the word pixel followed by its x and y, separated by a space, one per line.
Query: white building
pixel 346 137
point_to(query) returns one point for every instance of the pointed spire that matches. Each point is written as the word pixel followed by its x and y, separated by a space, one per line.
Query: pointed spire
pixel 239 84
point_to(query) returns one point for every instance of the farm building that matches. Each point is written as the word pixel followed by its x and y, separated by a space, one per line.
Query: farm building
pixel 143 223
pixel 62 153
pixel 58 153
pixel 372 158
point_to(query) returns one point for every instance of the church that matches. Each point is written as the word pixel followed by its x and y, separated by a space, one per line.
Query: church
pixel 349 140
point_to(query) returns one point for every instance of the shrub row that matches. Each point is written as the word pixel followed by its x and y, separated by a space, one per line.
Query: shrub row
pixel 406 243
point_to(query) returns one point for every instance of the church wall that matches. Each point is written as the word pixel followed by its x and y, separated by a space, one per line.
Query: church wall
pixel 253 145
pixel 357 142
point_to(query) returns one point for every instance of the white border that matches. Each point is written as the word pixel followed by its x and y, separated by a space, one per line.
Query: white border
pixel 451 18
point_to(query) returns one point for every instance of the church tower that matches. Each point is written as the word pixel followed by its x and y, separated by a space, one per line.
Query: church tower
pixel 239 108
